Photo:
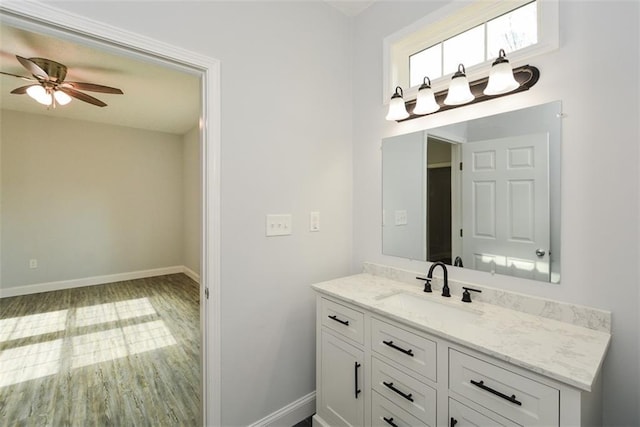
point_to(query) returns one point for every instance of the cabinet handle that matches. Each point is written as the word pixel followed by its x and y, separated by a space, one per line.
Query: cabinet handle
pixel 406 396
pixel 358 391
pixel 390 421
pixel 344 322
pixel 511 398
pixel 392 345
pixel 453 422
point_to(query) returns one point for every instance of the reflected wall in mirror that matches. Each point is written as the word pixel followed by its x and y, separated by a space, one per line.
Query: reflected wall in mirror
pixel 482 194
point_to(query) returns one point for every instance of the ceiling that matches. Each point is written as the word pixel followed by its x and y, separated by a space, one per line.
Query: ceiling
pixel 351 8
pixel 155 97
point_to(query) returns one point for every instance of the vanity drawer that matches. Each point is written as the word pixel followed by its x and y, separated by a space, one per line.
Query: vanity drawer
pixel 386 414
pixel 518 398
pixel 462 416
pixel 344 320
pixel 408 349
pixel 404 391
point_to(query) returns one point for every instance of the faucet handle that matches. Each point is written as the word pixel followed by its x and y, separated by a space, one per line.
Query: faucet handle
pixel 427 284
pixel 466 296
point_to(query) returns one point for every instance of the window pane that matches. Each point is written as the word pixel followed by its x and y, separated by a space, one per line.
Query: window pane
pixel 513 30
pixel 425 63
pixel 466 48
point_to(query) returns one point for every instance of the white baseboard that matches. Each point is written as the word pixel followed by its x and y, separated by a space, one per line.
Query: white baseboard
pixel 291 414
pixel 192 274
pixel 90 281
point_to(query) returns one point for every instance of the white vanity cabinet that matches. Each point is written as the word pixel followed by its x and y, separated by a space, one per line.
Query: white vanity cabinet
pixel 340 364
pixel 374 370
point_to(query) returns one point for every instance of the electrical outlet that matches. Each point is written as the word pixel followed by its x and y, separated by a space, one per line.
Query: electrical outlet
pixel 401 217
pixel 33 263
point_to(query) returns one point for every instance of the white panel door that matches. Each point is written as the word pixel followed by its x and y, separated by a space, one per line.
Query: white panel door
pixel 506 220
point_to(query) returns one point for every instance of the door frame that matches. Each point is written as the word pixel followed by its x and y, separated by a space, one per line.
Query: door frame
pixel 39 17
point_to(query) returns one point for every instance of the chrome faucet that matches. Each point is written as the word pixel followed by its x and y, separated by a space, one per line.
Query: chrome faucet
pixel 445 286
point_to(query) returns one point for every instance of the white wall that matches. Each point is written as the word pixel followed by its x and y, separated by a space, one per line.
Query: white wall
pixel 286 148
pixel 191 200
pixel 87 199
pixel 600 180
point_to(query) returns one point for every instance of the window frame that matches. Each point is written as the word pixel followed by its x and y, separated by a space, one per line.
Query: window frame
pixel 453 19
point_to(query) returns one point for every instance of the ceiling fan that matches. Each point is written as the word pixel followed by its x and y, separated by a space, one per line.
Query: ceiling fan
pixel 50 88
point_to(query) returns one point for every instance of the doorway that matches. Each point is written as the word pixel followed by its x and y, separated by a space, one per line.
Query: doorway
pixel 39 18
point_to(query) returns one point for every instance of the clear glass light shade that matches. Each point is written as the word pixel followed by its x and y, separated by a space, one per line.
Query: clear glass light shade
pixel 40 94
pixel 426 102
pixel 397 109
pixel 61 97
pixel 501 79
pixel 459 92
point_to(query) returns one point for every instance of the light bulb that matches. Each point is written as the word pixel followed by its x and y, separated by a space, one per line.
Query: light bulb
pixel 426 101
pixel 397 109
pixel 40 94
pixel 501 78
pixel 459 92
pixel 61 97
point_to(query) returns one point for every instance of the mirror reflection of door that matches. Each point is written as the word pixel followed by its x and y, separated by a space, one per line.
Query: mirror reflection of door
pixel 505 187
pixel 439 201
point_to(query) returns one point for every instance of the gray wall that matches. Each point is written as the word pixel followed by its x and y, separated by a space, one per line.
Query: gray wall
pixel 600 180
pixel 87 199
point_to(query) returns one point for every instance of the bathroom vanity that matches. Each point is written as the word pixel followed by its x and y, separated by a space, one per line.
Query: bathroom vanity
pixel 389 354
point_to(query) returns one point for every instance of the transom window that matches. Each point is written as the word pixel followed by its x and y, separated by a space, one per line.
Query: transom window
pixel 469 33
pixel 511 31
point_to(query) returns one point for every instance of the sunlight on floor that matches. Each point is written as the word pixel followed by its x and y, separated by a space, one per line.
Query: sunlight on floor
pixel 32 325
pixel 29 362
pixel 111 312
pixel 42 359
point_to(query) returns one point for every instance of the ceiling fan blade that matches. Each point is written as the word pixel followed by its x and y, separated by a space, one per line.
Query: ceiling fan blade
pixel 29 79
pixel 93 87
pixel 22 90
pixel 82 96
pixel 33 68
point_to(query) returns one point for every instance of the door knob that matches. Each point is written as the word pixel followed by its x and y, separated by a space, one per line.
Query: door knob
pixel 540 252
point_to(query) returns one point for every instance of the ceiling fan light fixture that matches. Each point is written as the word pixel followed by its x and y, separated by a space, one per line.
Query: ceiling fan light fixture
pixel 61 97
pixel 40 94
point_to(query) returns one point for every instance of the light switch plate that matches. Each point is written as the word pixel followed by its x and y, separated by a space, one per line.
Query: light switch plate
pixel 278 225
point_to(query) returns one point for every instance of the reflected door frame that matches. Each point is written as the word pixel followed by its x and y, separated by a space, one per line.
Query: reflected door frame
pixel 42 18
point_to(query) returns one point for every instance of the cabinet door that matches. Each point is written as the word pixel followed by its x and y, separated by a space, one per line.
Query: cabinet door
pixel 462 416
pixel 342 388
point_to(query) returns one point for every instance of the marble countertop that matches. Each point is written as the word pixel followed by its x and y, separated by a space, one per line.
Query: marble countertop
pixel 562 351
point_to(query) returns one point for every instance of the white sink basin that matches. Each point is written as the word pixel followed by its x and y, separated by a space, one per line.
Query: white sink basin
pixel 426 306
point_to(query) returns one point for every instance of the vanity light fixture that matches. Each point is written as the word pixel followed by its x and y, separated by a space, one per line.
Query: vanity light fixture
pixel 459 92
pixel 501 78
pixel 397 107
pixel 525 76
pixel 426 101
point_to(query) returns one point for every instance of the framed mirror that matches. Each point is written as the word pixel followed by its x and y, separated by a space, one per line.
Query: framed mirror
pixel 482 194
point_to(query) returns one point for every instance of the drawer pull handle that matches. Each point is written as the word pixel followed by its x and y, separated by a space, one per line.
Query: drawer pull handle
pixel 390 421
pixel 406 396
pixel 511 398
pixel 453 422
pixel 344 322
pixel 358 391
pixel 392 345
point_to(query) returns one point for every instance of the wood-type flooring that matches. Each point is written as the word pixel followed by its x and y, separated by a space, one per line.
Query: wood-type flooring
pixel 121 354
